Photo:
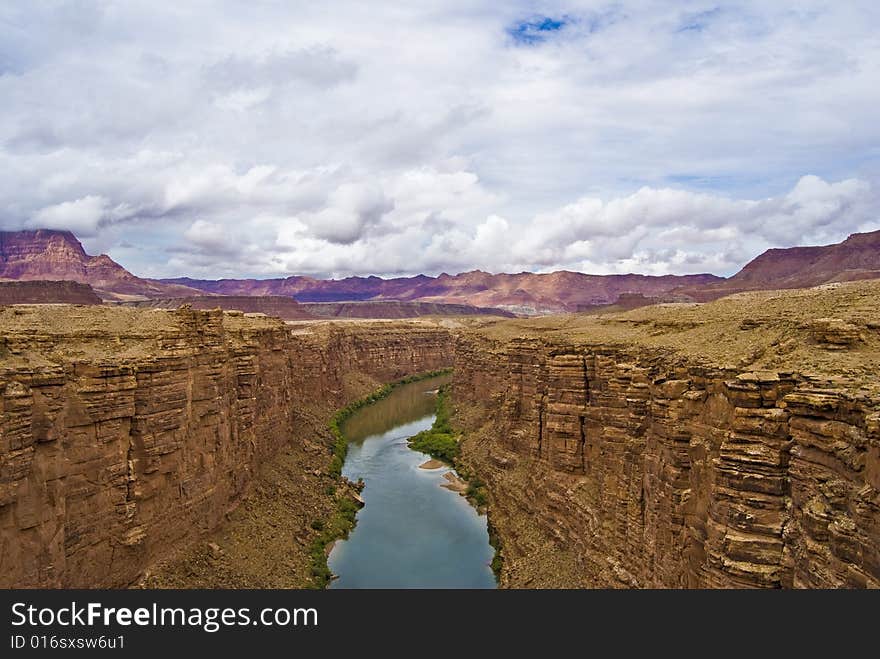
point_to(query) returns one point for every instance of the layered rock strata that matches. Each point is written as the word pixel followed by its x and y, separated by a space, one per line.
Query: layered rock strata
pixel 279 306
pixel 49 255
pixel 126 435
pixel 735 444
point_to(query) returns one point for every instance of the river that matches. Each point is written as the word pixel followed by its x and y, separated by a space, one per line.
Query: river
pixel 412 533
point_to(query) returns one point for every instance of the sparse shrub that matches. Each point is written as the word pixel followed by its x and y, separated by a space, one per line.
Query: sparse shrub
pixel 439 441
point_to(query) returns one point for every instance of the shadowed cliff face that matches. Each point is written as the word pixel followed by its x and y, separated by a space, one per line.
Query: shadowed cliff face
pixel 731 445
pixel 125 435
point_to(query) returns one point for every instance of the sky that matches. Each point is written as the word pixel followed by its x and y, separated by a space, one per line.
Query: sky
pixel 273 138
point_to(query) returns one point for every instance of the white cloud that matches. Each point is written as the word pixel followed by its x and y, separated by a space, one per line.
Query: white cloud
pixel 83 216
pixel 343 138
pixel 667 230
pixel 352 211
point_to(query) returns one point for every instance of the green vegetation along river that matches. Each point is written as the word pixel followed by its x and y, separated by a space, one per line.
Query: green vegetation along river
pixel 412 532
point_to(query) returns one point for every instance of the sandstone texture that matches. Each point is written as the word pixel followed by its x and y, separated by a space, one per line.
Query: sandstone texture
pixel 724 445
pixel 127 435
pixel 47 292
pixel 728 445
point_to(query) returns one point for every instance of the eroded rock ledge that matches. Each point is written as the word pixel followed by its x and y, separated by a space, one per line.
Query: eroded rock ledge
pixel 735 444
pixel 126 435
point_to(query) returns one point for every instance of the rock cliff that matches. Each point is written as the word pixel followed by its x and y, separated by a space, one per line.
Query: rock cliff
pixel 735 444
pixel 279 306
pixel 126 435
pixel 524 293
pixel 732 444
pixel 47 292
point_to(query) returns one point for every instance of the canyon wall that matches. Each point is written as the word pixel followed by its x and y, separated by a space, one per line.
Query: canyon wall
pixel 46 292
pixel 127 434
pixel 734 445
pixel 279 306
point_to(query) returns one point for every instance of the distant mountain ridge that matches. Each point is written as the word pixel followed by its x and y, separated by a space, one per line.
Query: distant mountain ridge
pixel 526 292
pixel 46 254
pixel 857 257
pixel 397 309
pixel 43 255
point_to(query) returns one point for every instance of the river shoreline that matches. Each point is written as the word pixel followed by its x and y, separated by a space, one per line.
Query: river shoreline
pixel 343 519
pixel 433 463
pixel 411 533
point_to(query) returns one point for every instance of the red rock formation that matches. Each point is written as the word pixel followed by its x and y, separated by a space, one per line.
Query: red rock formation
pixel 46 292
pixel 857 257
pixel 57 255
pixel 625 453
pixel 278 306
pixel 127 434
pixel 44 254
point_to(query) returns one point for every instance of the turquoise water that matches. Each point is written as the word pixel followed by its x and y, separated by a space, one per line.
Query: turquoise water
pixel 412 533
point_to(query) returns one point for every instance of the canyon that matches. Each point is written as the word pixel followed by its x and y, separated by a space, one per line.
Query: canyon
pixel 706 435
pixel 126 435
pixel 729 444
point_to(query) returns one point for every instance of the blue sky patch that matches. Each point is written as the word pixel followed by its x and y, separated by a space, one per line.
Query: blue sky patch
pixel 699 21
pixel 536 29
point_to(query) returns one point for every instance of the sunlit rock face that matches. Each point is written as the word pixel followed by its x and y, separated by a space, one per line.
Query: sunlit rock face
pixel 127 434
pixel 728 445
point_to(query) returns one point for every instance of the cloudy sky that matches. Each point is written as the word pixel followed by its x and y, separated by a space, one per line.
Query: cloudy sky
pixel 268 138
